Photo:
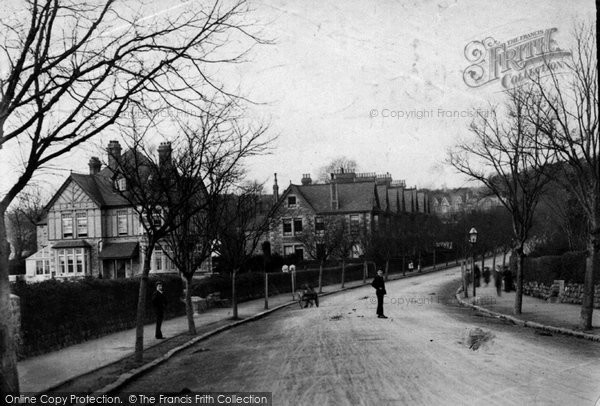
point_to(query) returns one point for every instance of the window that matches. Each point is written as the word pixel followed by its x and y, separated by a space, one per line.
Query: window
pixel 67 225
pixel 297 226
pixel 122 222
pixel 62 262
pixel 299 251
pixel 158 258
pixel 79 259
pixel 82 224
pixel 288 250
pixel 287 227
pixel 39 267
pixel 319 225
pixel 121 184
pixel 354 223
pixel 157 220
pixel 291 201
pixel 70 261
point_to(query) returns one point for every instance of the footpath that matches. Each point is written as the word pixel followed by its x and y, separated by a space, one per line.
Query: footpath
pixel 537 313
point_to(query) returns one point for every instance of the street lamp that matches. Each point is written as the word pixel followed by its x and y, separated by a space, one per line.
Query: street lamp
pixel 473 241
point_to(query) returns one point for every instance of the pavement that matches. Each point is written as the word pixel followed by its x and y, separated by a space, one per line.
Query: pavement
pixel 536 312
pixel 41 373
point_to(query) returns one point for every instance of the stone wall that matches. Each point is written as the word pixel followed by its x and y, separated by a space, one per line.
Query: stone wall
pixel 569 293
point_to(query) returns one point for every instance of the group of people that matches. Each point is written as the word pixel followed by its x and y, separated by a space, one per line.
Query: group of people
pixel 501 277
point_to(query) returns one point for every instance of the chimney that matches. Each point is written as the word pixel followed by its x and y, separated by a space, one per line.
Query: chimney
pixel 164 154
pixel 275 190
pixel 95 165
pixel 114 153
pixel 306 180
pixel 333 192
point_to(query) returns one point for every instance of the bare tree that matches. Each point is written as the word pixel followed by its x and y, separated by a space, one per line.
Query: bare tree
pixel 341 162
pixel 184 182
pixel 565 110
pixel 242 224
pixel 70 71
pixel 22 219
pixel 507 157
pixel 322 238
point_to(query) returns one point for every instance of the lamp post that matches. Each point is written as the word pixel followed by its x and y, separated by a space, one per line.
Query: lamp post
pixel 473 241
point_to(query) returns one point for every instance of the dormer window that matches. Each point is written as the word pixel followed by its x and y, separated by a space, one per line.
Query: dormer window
pixel 291 200
pixel 121 184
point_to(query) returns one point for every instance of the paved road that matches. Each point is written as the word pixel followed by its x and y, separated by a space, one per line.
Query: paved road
pixel 341 354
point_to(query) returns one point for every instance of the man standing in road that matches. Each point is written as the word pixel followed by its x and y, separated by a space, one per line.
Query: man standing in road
pixel 159 302
pixel 379 285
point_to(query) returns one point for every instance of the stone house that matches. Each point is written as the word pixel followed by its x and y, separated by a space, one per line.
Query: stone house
pixel 91 230
pixel 365 200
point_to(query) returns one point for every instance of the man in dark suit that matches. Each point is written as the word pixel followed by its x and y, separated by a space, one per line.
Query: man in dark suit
pixel 379 285
pixel 159 301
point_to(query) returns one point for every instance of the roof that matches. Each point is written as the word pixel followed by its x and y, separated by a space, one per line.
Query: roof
pixel 71 244
pixel 352 197
pixel 119 250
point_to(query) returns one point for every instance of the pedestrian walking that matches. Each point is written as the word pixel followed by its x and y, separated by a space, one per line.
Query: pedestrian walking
pixel 486 275
pixel 159 301
pixel 379 285
pixel 508 280
pixel 498 281
pixel 411 266
pixel 477 276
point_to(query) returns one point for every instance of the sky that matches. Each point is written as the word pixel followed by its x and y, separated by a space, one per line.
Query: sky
pixel 378 81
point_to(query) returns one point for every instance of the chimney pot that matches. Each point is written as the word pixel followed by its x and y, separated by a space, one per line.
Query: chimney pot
pixel 95 165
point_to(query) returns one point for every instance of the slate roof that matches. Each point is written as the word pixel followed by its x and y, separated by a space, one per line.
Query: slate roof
pixel 119 250
pixel 352 197
pixel 71 244
pixel 100 189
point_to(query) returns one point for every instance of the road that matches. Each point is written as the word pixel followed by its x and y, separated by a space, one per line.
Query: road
pixel 342 354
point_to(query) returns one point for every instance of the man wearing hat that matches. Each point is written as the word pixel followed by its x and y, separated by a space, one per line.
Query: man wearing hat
pixel 379 285
pixel 159 301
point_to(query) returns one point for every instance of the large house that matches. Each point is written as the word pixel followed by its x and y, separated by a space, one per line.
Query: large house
pixel 364 199
pixel 91 230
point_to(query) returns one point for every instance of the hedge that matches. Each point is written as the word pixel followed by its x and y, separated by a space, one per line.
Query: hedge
pixel 56 314
pixel 569 267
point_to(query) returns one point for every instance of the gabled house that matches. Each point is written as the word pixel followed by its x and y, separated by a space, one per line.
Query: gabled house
pixel 90 229
pixel 365 200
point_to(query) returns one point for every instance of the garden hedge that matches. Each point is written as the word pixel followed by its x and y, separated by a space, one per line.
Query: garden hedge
pixel 56 314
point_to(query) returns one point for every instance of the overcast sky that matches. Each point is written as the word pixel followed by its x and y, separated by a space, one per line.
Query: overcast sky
pixel 337 67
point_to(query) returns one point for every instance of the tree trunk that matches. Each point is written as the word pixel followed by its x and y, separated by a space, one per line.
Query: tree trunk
pixel 503 258
pixel 234 306
pixel 189 310
pixel 482 261
pixel 592 264
pixel 403 265
pixel 465 283
pixel 321 277
pixel 365 270
pixel 434 258
pixel 494 261
pixel 141 306
pixel 8 354
pixel 518 308
pixel 387 267
pixel 343 272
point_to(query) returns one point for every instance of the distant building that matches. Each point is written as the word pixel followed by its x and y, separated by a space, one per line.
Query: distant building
pixel 449 203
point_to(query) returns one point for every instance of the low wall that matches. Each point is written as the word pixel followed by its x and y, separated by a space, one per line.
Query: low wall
pixel 564 293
